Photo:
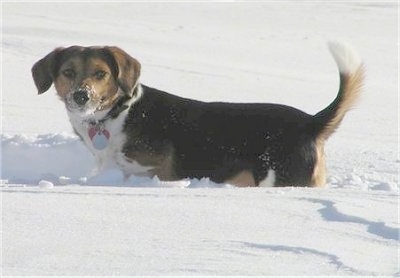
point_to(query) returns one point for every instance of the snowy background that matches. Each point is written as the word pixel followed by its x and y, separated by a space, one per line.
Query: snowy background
pixel 58 220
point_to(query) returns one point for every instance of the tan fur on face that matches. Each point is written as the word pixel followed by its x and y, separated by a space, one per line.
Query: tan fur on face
pixel 104 91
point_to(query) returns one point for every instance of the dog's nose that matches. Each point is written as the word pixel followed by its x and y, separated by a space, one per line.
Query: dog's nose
pixel 81 96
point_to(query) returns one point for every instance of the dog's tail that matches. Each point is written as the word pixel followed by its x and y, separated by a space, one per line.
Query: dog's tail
pixel 351 79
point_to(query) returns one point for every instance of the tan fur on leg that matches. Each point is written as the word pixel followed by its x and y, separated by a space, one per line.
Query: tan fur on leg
pixel 242 179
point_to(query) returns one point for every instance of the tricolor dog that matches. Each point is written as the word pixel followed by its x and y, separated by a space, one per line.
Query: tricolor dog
pixel 147 132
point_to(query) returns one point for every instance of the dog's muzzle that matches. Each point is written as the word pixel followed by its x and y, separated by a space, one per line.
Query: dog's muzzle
pixel 81 96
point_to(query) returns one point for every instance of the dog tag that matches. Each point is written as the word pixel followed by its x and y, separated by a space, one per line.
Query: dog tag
pixel 99 138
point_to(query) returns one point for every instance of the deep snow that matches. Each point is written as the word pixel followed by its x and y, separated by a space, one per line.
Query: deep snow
pixel 58 219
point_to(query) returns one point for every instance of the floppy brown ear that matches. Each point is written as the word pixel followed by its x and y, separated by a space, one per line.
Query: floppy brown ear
pixel 43 71
pixel 128 69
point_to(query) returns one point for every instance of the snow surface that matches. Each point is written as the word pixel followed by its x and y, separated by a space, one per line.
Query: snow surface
pixel 59 218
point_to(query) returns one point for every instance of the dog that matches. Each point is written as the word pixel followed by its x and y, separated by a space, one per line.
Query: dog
pixel 147 132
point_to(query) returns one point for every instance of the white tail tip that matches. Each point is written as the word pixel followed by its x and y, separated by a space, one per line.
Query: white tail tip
pixel 346 57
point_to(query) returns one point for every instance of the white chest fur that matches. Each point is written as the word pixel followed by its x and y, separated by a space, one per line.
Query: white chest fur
pixel 111 156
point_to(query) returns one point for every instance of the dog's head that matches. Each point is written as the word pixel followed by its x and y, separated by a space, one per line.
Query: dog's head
pixel 87 79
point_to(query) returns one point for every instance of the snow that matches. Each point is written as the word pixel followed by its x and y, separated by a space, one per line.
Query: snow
pixel 60 217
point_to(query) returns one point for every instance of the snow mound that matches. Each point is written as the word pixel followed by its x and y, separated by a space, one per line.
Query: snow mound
pixel 62 159
pixel 45 184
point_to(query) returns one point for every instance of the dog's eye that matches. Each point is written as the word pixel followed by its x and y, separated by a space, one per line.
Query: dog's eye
pixel 100 74
pixel 69 73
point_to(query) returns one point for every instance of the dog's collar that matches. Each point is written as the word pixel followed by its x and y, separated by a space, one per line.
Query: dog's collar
pixel 96 129
pixel 117 109
pixel 123 102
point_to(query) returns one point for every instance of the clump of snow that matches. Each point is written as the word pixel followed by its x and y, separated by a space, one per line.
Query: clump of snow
pixel 385 186
pixel 45 184
pixel 205 182
pixel 64 180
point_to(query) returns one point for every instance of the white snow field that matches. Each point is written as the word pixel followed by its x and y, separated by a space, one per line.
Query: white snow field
pixel 58 218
